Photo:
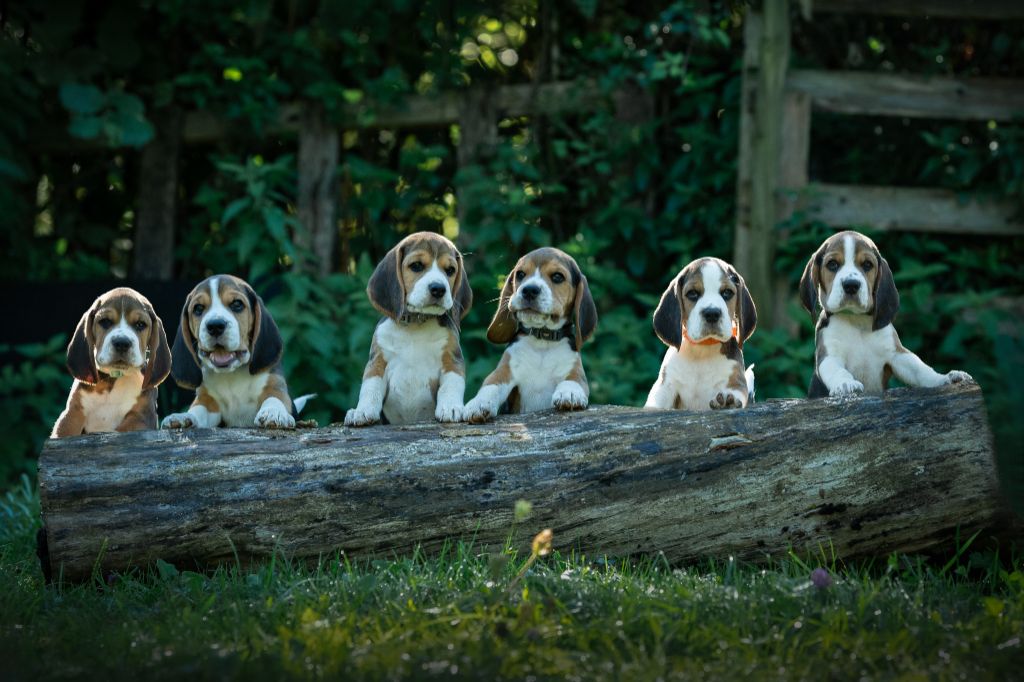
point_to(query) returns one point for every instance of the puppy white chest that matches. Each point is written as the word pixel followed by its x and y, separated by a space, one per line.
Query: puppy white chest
pixel 864 353
pixel 697 374
pixel 104 411
pixel 537 367
pixel 237 393
pixel 413 355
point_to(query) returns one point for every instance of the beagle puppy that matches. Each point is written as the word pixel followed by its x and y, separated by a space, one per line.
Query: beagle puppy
pixel 857 348
pixel 416 370
pixel 229 350
pixel 704 317
pixel 545 315
pixel 118 356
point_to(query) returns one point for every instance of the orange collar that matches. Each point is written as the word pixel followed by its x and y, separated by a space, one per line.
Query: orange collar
pixel 712 341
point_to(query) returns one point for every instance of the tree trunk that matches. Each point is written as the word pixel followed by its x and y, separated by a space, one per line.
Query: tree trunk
pixel 868 475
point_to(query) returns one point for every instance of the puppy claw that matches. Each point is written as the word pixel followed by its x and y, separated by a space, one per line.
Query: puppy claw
pixel 448 413
pixel 274 417
pixel 476 412
pixel 847 388
pixel 569 396
pixel 177 421
pixel 958 377
pixel 725 401
pixel 358 417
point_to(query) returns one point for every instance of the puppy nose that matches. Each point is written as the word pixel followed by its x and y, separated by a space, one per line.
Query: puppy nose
pixel 436 290
pixel 530 292
pixel 711 315
pixel 216 327
pixel 851 286
pixel 121 344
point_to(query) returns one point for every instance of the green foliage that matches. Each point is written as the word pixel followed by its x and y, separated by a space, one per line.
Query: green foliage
pixel 470 613
pixel 33 389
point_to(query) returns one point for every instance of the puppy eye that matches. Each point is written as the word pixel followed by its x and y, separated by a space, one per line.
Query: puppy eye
pixel 139 326
pixel 727 294
pixel 867 266
pixel 416 266
pixel 450 270
pixel 832 265
pixel 520 275
pixel 198 309
pixel 558 278
pixel 237 306
pixel 106 323
pixel 693 295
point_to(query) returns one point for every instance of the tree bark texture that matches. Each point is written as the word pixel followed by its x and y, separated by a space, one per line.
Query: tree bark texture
pixel 869 475
pixel 153 253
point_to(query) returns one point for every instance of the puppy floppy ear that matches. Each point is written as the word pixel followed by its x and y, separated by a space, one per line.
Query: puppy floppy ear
pixel 668 317
pixel 80 361
pixel 184 362
pixel 463 291
pixel 266 345
pixel 504 326
pixel 585 311
pixel 810 281
pixel 386 288
pixel 746 312
pixel 887 298
pixel 158 365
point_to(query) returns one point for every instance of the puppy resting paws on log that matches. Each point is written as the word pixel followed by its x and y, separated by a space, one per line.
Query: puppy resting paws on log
pixel 229 350
pixel 545 315
pixel 416 370
pixel 857 349
pixel 118 356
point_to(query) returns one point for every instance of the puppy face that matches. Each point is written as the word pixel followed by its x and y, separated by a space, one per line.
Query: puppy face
pixel 707 300
pixel 423 274
pixel 546 289
pixel 848 275
pixel 224 325
pixel 119 332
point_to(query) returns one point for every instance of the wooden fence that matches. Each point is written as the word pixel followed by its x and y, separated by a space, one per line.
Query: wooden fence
pixel 775 125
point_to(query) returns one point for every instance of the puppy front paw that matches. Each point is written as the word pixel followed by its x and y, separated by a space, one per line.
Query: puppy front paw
pixel 845 388
pixel 361 417
pixel 180 420
pixel 726 400
pixel 274 415
pixel 448 412
pixel 958 377
pixel 477 411
pixel 569 396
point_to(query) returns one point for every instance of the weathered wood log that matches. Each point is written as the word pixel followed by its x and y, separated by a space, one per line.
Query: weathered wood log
pixel 868 475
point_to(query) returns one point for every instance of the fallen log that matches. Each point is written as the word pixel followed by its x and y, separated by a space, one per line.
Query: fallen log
pixel 869 475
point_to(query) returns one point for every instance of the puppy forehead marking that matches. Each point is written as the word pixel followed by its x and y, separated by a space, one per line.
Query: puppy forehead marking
pixel 711 274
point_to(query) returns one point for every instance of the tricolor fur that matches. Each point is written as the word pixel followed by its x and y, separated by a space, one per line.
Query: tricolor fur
pixel 545 315
pixel 857 348
pixel 416 371
pixel 229 350
pixel 118 356
pixel 704 317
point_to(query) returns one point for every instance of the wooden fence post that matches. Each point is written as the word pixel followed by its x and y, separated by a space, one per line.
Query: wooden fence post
pixel 766 56
pixel 153 251
pixel 478 132
pixel 318 162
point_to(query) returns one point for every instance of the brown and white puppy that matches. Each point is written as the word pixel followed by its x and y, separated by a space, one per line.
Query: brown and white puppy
pixel 416 371
pixel 229 350
pixel 118 356
pixel 704 317
pixel 545 315
pixel 857 348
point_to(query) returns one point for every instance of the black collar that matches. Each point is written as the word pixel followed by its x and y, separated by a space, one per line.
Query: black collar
pixel 419 318
pixel 548 334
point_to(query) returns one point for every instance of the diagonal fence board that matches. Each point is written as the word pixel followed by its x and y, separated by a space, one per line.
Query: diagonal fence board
pixel 868 475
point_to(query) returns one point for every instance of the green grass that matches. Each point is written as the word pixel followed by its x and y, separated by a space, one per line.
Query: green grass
pixel 464 615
